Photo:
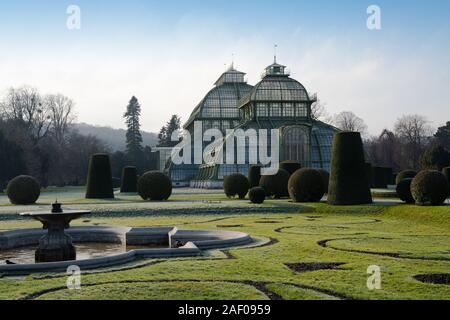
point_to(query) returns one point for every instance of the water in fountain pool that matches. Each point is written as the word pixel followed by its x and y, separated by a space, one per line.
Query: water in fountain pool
pixel 26 255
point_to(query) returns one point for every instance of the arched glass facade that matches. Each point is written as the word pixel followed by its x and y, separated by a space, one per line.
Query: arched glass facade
pixel 296 144
pixel 276 102
pixel 321 144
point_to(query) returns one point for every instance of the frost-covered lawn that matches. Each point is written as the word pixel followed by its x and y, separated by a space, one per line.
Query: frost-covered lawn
pixel 316 251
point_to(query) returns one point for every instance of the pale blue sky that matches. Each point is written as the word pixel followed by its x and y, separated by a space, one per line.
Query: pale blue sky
pixel 169 54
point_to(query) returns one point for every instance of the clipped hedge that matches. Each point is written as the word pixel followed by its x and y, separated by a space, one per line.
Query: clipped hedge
pixel 129 179
pixel 236 184
pixel 368 167
pixel 348 180
pixel 23 190
pixel 446 173
pixel 257 195
pixel 404 190
pixel 290 166
pixel 429 187
pixel 405 174
pixel 388 175
pixel 381 177
pixel 99 180
pixel 154 185
pixel 254 175
pixel 325 178
pixel 306 185
pixel 276 185
pixel 378 178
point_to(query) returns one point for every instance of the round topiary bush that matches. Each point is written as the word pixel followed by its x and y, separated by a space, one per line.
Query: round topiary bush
pixel 306 185
pixel 405 174
pixel 129 180
pixel 404 190
pixel 325 178
pixel 254 175
pixel 348 179
pixel 276 185
pixel 23 190
pixel 154 185
pixel 429 187
pixel 257 195
pixel 290 166
pixel 99 180
pixel 236 185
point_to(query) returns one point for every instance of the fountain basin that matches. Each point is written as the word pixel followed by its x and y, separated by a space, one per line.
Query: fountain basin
pixel 178 243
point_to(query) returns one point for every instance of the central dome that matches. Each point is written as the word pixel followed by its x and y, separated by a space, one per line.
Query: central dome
pixel 276 85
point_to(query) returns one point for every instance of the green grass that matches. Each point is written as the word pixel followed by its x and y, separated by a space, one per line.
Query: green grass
pixel 417 239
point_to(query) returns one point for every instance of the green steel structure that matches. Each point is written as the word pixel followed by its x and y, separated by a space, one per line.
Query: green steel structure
pixel 276 102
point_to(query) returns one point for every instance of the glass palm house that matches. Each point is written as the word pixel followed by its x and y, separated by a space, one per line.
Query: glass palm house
pixel 276 102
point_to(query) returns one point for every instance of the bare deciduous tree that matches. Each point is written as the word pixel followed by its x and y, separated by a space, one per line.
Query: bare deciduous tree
pixel 414 131
pixel 61 114
pixel 319 112
pixel 25 105
pixel 348 121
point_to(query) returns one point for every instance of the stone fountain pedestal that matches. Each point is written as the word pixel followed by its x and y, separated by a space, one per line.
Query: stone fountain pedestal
pixel 56 245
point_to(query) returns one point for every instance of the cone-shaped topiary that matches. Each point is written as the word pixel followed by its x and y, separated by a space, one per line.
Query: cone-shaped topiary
pixel 405 174
pixel 404 190
pixel 276 185
pixel 154 185
pixel 129 180
pixel 99 180
pixel 236 184
pixel 254 175
pixel 306 185
pixel 290 166
pixel 325 178
pixel 23 190
pixel 257 195
pixel 429 187
pixel 348 180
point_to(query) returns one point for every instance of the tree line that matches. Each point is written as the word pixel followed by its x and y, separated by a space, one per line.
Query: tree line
pixel 410 144
pixel 37 138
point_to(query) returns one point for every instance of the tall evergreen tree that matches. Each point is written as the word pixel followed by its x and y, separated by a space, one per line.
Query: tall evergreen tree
pixel 133 136
pixel 165 134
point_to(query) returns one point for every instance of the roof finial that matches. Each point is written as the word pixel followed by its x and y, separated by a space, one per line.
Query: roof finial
pixel 232 61
pixel 275 53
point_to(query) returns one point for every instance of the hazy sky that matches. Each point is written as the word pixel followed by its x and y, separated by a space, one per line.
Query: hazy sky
pixel 169 54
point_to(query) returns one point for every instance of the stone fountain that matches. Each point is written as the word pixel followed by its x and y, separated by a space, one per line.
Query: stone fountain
pixel 56 245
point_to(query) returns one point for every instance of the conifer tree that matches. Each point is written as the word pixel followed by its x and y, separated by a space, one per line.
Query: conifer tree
pixel 133 136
